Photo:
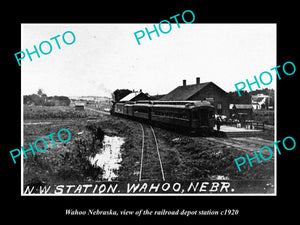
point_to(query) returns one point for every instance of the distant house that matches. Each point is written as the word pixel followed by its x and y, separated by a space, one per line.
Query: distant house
pixel 260 101
pixel 135 96
pixel 208 91
pixel 79 106
pixel 241 111
pixel 256 106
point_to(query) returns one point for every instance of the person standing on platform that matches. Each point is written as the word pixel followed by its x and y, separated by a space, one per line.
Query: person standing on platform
pixel 218 122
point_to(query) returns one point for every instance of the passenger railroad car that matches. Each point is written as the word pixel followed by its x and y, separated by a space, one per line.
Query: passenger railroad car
pixel 189 115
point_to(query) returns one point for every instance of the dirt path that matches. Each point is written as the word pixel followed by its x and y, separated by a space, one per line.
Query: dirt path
pixel 248 144
pixel 99 111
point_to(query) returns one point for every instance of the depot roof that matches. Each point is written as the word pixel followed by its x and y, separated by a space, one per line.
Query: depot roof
pixel 240 106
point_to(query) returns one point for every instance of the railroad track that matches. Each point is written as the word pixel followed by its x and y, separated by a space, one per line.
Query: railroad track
pixel 151 167
pixel 99 111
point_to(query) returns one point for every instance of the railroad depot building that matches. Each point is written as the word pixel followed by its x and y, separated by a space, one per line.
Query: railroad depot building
pixel 79 106
pixel 208 91
pixel 241 111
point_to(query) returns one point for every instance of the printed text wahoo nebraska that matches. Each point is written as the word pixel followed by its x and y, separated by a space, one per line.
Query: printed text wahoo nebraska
pixel 132 188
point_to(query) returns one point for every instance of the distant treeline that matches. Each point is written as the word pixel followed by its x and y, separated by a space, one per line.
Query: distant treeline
pixel 42 99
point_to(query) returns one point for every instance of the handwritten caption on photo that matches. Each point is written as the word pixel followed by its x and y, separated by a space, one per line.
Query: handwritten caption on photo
pixel 134 188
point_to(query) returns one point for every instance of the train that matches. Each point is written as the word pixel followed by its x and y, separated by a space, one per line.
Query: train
pixel 191 116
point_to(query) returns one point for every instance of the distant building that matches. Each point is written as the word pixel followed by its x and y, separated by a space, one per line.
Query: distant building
pixel 201 91
pixel 241 111
pixel 135 96
pixel 260 101
pixel 79 106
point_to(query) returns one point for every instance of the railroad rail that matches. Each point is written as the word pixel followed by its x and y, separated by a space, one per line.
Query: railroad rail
pixel 151 167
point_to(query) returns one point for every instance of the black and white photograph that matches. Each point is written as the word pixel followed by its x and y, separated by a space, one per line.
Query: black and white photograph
pixel 134 114
pixel 154 117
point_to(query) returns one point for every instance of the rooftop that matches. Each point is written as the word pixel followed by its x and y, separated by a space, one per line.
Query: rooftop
pixel 130 96
pixel 184 92
pixel 240 106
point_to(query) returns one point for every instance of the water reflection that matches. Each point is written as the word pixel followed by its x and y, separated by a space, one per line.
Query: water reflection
pixel 109 157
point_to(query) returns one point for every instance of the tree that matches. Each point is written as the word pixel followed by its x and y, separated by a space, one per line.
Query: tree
pixel 63 100
pixel 43 97
pixel 118 94
pixel 234 98
pixel 40 92
pixel 36 99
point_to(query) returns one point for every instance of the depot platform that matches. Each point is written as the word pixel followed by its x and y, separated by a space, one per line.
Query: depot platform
pixel 231 131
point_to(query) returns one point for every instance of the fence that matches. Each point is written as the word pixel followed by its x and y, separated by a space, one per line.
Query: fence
pixel 267 116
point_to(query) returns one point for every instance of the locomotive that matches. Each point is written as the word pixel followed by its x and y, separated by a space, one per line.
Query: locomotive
pixel 191 116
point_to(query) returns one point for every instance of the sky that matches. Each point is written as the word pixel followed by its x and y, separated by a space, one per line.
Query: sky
pixel 106 57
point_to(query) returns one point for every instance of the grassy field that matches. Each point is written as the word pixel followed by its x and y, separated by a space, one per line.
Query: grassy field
pixel 184 158
pixel 65 161
pixel 54 112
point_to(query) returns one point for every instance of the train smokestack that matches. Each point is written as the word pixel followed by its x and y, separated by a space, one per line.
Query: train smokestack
pixel 184 83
